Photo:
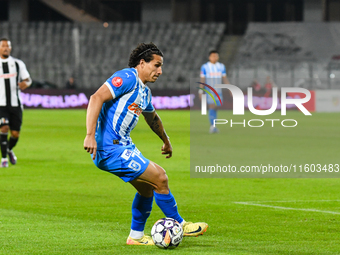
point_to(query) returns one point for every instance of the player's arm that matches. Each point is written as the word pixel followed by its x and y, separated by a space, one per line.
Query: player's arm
pixel 156 125
pixel 200 92
pixel 224 76
pixel 202 80
pixel 24 84
pixel 101 96
pixel 25 78
pixel 225 79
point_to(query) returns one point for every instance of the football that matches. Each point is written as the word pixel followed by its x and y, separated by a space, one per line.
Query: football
pixel 167 233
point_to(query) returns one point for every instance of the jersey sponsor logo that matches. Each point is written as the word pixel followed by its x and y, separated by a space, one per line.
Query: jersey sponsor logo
pixel 8 75
pixel 117 81
pixel 216 74
pixel 135 108
pixel 134 165
pixel 126 154
pixel 127 75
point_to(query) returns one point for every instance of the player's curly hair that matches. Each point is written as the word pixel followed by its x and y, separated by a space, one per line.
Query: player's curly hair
pixel 143 51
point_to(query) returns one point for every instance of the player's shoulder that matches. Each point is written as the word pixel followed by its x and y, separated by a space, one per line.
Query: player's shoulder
pixel 220 64
pixel 127 73
pixel 19 61
pixel 124 77
pixel 205 65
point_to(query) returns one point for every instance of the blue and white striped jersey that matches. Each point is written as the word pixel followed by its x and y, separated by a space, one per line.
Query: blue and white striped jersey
pixel 119 116
pixel 213 73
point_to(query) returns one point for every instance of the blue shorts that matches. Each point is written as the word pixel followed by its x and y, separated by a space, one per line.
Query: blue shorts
pixel 127 162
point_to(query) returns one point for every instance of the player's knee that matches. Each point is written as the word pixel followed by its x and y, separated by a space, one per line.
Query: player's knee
pixel 163 182
pixel 159 179
pixel 163 179
pixel 4 129
pixel 15 134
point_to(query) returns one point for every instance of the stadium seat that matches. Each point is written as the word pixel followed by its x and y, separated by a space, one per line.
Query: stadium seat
pixel 104 50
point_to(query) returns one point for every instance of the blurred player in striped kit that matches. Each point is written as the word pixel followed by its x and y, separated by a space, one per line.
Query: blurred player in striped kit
pixel 13 78
pixel 212 73
pixel 112 113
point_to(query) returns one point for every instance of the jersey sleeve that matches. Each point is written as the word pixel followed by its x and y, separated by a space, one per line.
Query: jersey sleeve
pixel 121 82
pixel 149 107
pixel 24 74
pixel 203 72
pixel 224 72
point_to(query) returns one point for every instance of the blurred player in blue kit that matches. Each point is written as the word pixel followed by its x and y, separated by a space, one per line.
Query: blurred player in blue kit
pixel 112 113
pixel 213 73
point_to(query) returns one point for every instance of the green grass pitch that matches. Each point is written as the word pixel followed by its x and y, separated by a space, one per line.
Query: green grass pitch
pixel 55 201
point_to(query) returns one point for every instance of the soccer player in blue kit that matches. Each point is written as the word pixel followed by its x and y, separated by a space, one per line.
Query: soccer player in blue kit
pixel 112 113
pixel 213 73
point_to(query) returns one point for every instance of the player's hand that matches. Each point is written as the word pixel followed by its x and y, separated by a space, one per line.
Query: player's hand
pixel 22 85
pixel 167 150
pixel 90 145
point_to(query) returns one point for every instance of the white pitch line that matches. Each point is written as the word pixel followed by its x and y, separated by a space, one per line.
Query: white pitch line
pixel 291 201
pixel 287 208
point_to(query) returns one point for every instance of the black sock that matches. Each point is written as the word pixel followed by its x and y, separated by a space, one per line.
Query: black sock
pixel 3 138
pixel 12 142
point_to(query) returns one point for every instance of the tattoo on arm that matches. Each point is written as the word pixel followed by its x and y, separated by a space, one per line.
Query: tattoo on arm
pixel 157 127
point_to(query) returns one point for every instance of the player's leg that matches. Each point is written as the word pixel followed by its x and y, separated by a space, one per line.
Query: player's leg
pixel 156 177
pixel 13 139
pixel 11 143
pixel 128 163
pixel 141 209
pixel 4 145
pixel 213 112
pixel 153 178
pixel 212 116
pixel 15 126
pixel 4 128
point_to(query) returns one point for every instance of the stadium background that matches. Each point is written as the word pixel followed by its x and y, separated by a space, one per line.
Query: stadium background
pixel 258 41
pixel 55 201
pixel 88 39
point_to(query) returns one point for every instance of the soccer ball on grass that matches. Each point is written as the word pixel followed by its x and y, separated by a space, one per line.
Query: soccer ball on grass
pixel 167 233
